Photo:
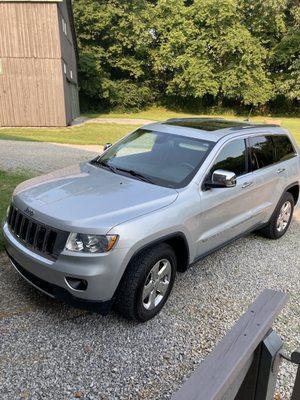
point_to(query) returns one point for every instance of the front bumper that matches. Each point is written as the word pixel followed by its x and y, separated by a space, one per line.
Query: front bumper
pixel 102 272
pixel 102 307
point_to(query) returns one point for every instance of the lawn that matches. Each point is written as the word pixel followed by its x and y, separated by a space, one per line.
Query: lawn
pixel 8 181
pixel 93 133
pixel 161 114
pixel 83 134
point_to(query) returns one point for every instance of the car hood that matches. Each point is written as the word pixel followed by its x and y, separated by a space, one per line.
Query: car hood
pixel 88 199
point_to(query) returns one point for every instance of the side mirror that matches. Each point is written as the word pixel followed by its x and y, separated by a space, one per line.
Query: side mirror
pixel 222 179
pixel 107 146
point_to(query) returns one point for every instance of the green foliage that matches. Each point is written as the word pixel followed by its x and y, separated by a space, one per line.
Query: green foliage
pixel 286 60
pixel 204 49
pixel 134 53
pixel 265 19
pixel 114 52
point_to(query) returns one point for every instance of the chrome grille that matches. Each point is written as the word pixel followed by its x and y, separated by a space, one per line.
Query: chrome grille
pixel 36 236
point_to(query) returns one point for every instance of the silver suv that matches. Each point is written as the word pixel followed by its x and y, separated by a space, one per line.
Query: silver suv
pixel 114 231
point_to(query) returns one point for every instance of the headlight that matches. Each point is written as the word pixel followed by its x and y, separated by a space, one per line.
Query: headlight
pixel 79 242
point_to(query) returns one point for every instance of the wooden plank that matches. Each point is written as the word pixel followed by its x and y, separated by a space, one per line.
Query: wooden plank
pixel 220 370
pixel 29 30
pixel 32 92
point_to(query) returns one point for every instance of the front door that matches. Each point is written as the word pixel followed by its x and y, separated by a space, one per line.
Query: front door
pixel 227 212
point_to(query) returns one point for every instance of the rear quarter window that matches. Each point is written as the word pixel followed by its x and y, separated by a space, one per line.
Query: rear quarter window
pixel 284 148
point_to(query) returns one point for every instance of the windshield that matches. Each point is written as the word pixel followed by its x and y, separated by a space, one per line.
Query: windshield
pixel 160 158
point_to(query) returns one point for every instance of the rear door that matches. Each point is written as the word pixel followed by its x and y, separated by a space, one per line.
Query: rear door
pixel 227 212
pixel 286 157
pixel 268 177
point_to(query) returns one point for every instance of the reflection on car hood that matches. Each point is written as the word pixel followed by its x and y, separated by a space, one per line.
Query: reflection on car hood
pixel 85 198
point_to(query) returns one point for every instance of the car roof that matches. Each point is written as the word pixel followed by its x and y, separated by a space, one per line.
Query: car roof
pixel 211 128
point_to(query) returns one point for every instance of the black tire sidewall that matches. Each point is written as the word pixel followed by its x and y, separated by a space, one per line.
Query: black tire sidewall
pixel 287 197
pixel 140 311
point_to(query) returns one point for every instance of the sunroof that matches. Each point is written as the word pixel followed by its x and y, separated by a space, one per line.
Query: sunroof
pixel 206 124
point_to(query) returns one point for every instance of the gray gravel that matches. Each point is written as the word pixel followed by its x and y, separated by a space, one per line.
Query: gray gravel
pixel 40 157
pixel 51 351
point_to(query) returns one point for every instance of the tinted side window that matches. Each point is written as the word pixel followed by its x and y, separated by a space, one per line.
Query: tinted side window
pixel 232 158
pixel 261 152
pixel 283 148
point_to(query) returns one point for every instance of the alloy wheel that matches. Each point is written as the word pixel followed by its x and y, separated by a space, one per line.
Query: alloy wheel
pixel 157 284
pixel 284 216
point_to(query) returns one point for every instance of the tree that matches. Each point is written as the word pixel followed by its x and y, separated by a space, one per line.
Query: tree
pixel 135 52
pixel 113 43
pixel 286 60
pixel 204 49
pixel 264 19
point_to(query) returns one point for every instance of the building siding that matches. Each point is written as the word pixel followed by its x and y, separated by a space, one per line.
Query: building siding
pixel 28 97
pixel 29 30
pixel 34 90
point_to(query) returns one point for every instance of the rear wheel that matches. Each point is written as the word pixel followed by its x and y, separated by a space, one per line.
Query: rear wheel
pixel 281 218
pixel 147 283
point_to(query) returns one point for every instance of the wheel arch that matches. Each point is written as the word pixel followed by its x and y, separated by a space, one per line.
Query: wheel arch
pixel 179 244
pixel 294 190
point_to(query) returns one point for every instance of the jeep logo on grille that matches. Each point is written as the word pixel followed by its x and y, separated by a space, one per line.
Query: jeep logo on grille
pixel 29 211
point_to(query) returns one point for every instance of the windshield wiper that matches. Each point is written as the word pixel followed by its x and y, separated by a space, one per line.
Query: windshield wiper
pixel 128 171
pixel 136 174
pixel 104 164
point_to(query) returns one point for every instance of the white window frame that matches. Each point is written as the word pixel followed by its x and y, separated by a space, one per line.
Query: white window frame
pixel 64 26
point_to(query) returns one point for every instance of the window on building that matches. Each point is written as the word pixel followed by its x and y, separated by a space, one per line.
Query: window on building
pixel 65 68
pixel 233 158
pixel 64 26
pixel 71 74
pixel 261 152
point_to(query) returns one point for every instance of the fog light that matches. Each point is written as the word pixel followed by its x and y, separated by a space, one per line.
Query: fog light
pixel 77 284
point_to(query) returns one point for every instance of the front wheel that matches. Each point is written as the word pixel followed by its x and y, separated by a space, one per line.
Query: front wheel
pixel 147 283
pixel 281 218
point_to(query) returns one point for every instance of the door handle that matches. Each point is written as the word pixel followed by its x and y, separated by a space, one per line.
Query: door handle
pixel 280 170
pixel 247 184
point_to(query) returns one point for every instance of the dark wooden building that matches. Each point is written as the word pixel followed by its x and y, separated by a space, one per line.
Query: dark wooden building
pixel 38 63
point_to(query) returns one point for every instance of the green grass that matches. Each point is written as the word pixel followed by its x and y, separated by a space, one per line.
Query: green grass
pixel 154 113
pixel 8 182
pixel 92 133
pixel 83 134
pixel 160 114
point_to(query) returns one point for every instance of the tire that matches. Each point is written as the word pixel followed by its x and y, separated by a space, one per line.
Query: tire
pixel 138 280
pixel 272 230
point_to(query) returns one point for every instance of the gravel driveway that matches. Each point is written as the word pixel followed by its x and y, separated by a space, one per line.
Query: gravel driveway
pixel 49 350
pixel 42 157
